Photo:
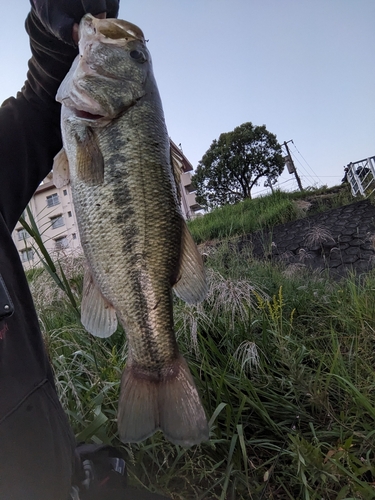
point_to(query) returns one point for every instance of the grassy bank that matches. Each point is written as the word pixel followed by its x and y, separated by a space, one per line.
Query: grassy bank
pixel 284 364
pixel 265 212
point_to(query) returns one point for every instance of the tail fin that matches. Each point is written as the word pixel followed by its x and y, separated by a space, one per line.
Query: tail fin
pixel 167 402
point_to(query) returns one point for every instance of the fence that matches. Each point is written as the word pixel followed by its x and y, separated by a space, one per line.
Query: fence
pixel 361 177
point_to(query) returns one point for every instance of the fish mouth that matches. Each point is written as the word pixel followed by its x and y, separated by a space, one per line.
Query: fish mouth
pixel 115 31
pixel 103 119
pixel 83 108
pixel 79 113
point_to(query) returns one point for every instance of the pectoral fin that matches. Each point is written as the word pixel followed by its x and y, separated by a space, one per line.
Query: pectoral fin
pixel 191 284
pixel 97 314
pixel 90 162
pixel 60 169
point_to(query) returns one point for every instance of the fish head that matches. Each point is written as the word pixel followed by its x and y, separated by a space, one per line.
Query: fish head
pixel 110 73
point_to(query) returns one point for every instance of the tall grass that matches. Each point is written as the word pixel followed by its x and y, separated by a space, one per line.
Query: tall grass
pixel 244 217
pixel 283 361
pixel 285 368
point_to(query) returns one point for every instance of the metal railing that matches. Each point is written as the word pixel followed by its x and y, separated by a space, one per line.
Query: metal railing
pixel 361 177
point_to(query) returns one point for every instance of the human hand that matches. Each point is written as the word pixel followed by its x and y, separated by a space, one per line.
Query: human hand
pixel 75 35
pixel 60 17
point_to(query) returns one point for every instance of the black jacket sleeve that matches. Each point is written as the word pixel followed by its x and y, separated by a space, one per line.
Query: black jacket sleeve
pixel 59 16
pixel 30 123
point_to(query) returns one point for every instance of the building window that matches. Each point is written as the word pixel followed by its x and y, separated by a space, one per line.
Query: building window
pixel 61 243
pixel 65 192
pixel 22 234
pixel 190 188
pixel 69 214
pixel 74 236
pixel 57 221
pixel 27 255
pixel 52 200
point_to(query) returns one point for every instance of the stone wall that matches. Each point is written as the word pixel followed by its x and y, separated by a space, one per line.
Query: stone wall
pixel 341 239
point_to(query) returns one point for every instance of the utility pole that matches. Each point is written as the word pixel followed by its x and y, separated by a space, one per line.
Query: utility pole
pixel 290 165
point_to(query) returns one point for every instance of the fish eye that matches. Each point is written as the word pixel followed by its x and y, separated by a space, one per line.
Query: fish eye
pixel 138 56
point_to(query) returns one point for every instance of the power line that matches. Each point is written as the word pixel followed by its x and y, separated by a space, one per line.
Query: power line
pixel 302 156
pixel 277 185
pixel 314 174
pixel 314 178
pixel 307 174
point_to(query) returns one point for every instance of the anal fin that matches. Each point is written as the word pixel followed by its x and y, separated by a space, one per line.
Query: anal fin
pixel 97 314
pixel 191 283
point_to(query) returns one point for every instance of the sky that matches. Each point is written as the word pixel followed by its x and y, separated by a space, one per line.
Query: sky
pixel 303 68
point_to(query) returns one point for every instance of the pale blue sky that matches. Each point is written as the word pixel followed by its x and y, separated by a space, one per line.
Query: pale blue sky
pixel 304 68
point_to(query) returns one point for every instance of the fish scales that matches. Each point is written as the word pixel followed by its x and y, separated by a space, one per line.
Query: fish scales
pixel 133 235
pixel 149 246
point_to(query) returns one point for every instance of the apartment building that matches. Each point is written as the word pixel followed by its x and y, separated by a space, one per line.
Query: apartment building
pixel 53 211
pixel 190 207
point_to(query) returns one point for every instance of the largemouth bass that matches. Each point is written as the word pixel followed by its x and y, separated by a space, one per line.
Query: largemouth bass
pixel 137 245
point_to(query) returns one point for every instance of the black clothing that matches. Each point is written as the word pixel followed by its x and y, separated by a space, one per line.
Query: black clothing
pixel 36 447
pixel 58 18
pixel 36 443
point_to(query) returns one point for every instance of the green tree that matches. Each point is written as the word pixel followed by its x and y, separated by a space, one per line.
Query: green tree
pixel 234 164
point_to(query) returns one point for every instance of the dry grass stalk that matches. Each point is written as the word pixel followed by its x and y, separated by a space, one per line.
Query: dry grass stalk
pixel 233 297
pixel 293 269
pixel 247 355
pixel 189 317
pixel 317 235
pixel 370 237
pixel 287 256
pixel 304 255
